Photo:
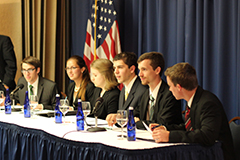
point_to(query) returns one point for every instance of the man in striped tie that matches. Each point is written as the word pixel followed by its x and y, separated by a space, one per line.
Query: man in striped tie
pixel 206 121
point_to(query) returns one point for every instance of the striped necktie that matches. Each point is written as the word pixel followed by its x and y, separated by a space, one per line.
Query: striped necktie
pixel 31 89
pixel 188 124
pixel 151 107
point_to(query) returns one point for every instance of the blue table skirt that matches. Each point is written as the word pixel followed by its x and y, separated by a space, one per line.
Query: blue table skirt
pixel 29 144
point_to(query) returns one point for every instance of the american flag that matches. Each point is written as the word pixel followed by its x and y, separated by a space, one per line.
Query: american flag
pixel 107 32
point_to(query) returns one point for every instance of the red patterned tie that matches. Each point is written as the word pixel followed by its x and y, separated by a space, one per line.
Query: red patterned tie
pixel 188 119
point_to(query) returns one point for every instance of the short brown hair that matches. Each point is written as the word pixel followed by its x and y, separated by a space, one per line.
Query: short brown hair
pixel 183 74
pixel 129 58
pixel 33 61
pixel 105 67
pixel 156 58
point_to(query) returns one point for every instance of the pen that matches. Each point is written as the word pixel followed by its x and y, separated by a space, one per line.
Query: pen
pixel 156 126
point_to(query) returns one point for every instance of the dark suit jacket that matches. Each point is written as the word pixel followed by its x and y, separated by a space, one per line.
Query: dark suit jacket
pixel 167 110
pixel 88 94
pixel 209 123
pixel 47 91
pixel 134 97
pixel 109 104
pixel 8 66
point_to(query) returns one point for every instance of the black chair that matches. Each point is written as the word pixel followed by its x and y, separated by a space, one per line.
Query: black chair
pixel 235 129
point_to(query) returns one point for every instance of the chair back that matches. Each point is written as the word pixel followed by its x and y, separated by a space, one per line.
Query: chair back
pixel 235 130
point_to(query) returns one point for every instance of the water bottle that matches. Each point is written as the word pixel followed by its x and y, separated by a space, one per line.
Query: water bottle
pixel 27 109
pixel 80 116
pixel 7 103
pixel 131 126
pixel 58 113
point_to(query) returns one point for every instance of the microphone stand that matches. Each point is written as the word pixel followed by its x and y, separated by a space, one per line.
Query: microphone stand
pixel 96 128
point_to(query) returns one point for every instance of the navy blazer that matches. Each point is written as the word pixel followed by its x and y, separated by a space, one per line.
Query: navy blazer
pixel 209 123
pixel 134 97
pixel 167 110
pixel 88 94
pixel 109 104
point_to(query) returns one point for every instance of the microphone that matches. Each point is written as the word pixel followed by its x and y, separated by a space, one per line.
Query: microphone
pixel 97 104
pixel 95 109
pixel 20 86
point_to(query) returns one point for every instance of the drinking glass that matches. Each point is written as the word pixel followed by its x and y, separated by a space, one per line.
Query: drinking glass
pixel 122 119
pixel 64 107
pixel 86 107
pixel 2 97
pixel 33 103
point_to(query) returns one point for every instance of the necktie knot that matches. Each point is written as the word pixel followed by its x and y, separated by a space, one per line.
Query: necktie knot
pixel 151 98
pixel 31 89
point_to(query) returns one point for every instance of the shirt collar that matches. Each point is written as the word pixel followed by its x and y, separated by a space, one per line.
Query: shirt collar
pixel 155 91
pixel 190 101
pixel 129 86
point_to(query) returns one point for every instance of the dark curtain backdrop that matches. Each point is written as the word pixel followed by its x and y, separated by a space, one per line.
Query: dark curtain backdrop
pixel 204 33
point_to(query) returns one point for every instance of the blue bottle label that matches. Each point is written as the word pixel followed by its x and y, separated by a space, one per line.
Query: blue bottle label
pixel 27 113
pixel 8 109
pixel 80 124
pixel 58 116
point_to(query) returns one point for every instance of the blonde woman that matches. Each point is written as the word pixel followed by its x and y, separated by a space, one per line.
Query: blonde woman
pixel 102 75
pixel 81 87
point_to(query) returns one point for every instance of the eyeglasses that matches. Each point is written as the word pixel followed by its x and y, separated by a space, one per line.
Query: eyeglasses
pixel 28 71
pixel 71 68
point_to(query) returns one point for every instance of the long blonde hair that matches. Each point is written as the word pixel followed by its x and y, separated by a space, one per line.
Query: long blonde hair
pixel 105 67
pixel 85 76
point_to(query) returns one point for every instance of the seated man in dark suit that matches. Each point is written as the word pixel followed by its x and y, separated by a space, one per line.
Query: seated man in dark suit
pixel 158 105
pixel 205 119
pixel 125 70
pixel 45 89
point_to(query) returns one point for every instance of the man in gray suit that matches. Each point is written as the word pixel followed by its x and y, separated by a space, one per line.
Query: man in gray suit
pixel 45 89
pixel 125 69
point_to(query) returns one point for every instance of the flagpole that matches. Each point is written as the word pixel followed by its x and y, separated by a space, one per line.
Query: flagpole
pixel 95 30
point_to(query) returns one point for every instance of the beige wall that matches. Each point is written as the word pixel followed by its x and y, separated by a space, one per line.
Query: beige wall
pixel 11 25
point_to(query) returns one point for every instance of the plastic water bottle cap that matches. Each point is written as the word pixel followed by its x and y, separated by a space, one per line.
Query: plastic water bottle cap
pixel 57 95
pixel 79 100
pixel 130 108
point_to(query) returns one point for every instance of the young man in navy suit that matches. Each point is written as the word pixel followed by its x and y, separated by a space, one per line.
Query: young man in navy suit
pixel 157 105
pixel 207 121
pixel 125 70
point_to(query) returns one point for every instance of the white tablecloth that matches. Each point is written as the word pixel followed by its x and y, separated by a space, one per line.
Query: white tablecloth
pixel 68 131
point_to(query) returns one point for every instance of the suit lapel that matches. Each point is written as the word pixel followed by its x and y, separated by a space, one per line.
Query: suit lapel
pixel 145 105
pixel 157 106
pixel 195 103
pixel 121 98
pixel 70 93
pixel 131 94
pixel 40 88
